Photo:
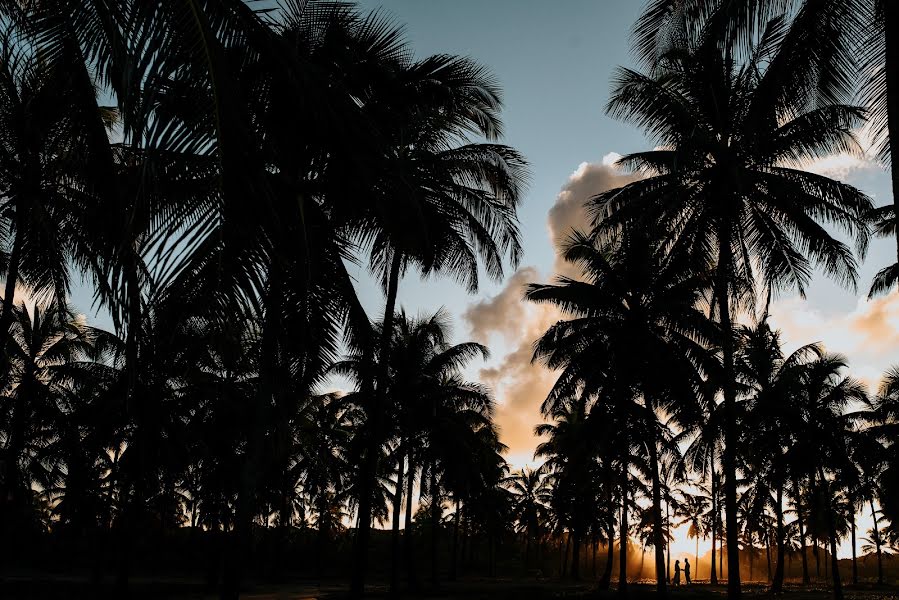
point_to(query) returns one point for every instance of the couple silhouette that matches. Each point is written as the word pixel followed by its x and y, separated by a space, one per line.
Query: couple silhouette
pixel 677 570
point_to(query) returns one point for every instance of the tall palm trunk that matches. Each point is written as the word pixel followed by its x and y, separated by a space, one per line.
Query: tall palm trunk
pixel 369 466
pixel 668 537
pixel 657 532
pixel 411 573
pixel 435 521
pixel 606 578
pixel 877 543
pixel 805 576
pixel 12 276
pixel 623 527
pixel 852 533
pixel 576 555
pixel 777 582
pixel 832 535
pixel 891 73
pixel 696 562
pixel 713 577
pixel 397 510
pixel 455 548
pixel 9 492
pixel 730 418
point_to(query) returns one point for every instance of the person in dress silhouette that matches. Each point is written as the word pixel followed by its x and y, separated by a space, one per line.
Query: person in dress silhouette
pixel 677 573
pixel 687 570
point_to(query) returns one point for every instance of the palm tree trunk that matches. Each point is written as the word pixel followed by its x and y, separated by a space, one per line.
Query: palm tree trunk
pixel 411 573
pixel 527 550
pixel 435 521
pixel 877 544
pixel 657 526
pixel 12 276
pixel 668 537
pixel 623 526
pixel 852 533
pixel 730 418
pixel 891 73
pixel 369 466
pixel 397 510
pixel 777 582
pixel 696 562
pixel 453 558
pixel 576 555
pixel 606 578
pixel 805 576
pixel 713 577
pixel 565 554
pixel 832 534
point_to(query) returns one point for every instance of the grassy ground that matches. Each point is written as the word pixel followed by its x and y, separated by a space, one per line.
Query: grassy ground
pixel 474 589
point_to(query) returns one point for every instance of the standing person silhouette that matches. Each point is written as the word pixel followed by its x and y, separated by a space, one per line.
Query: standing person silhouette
pixel 687 570
pixel 677 573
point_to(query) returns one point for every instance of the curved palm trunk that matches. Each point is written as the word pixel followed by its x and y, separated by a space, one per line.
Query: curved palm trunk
pixel 622 559
pixel 657 525
pixel 369 466
pixel 877 544
pixel 730 417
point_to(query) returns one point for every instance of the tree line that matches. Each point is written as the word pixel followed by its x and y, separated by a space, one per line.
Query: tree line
pixel 211 168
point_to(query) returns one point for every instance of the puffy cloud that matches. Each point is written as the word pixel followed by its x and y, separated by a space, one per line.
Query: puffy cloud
pixel 520 385
pixel 868 335
pixel 569 210
pixel 503 313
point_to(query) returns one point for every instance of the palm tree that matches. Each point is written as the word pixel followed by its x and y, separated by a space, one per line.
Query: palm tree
pixel 724 181
pixel 459 201
pixel 693 508
pixel 46 161
pixel 636 309
pixel 50 352
pixel 828 394
pixel 531 493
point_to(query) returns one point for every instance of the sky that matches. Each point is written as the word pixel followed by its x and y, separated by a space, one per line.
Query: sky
pixel 554 62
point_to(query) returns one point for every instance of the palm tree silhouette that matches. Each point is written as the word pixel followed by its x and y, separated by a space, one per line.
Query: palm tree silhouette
pixel 636 310
pixel 719 123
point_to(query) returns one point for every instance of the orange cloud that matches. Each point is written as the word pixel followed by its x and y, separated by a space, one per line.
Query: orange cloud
pixel 868 335
pixel 519 385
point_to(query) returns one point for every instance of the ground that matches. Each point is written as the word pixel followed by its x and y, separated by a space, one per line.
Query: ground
pixel 477 589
